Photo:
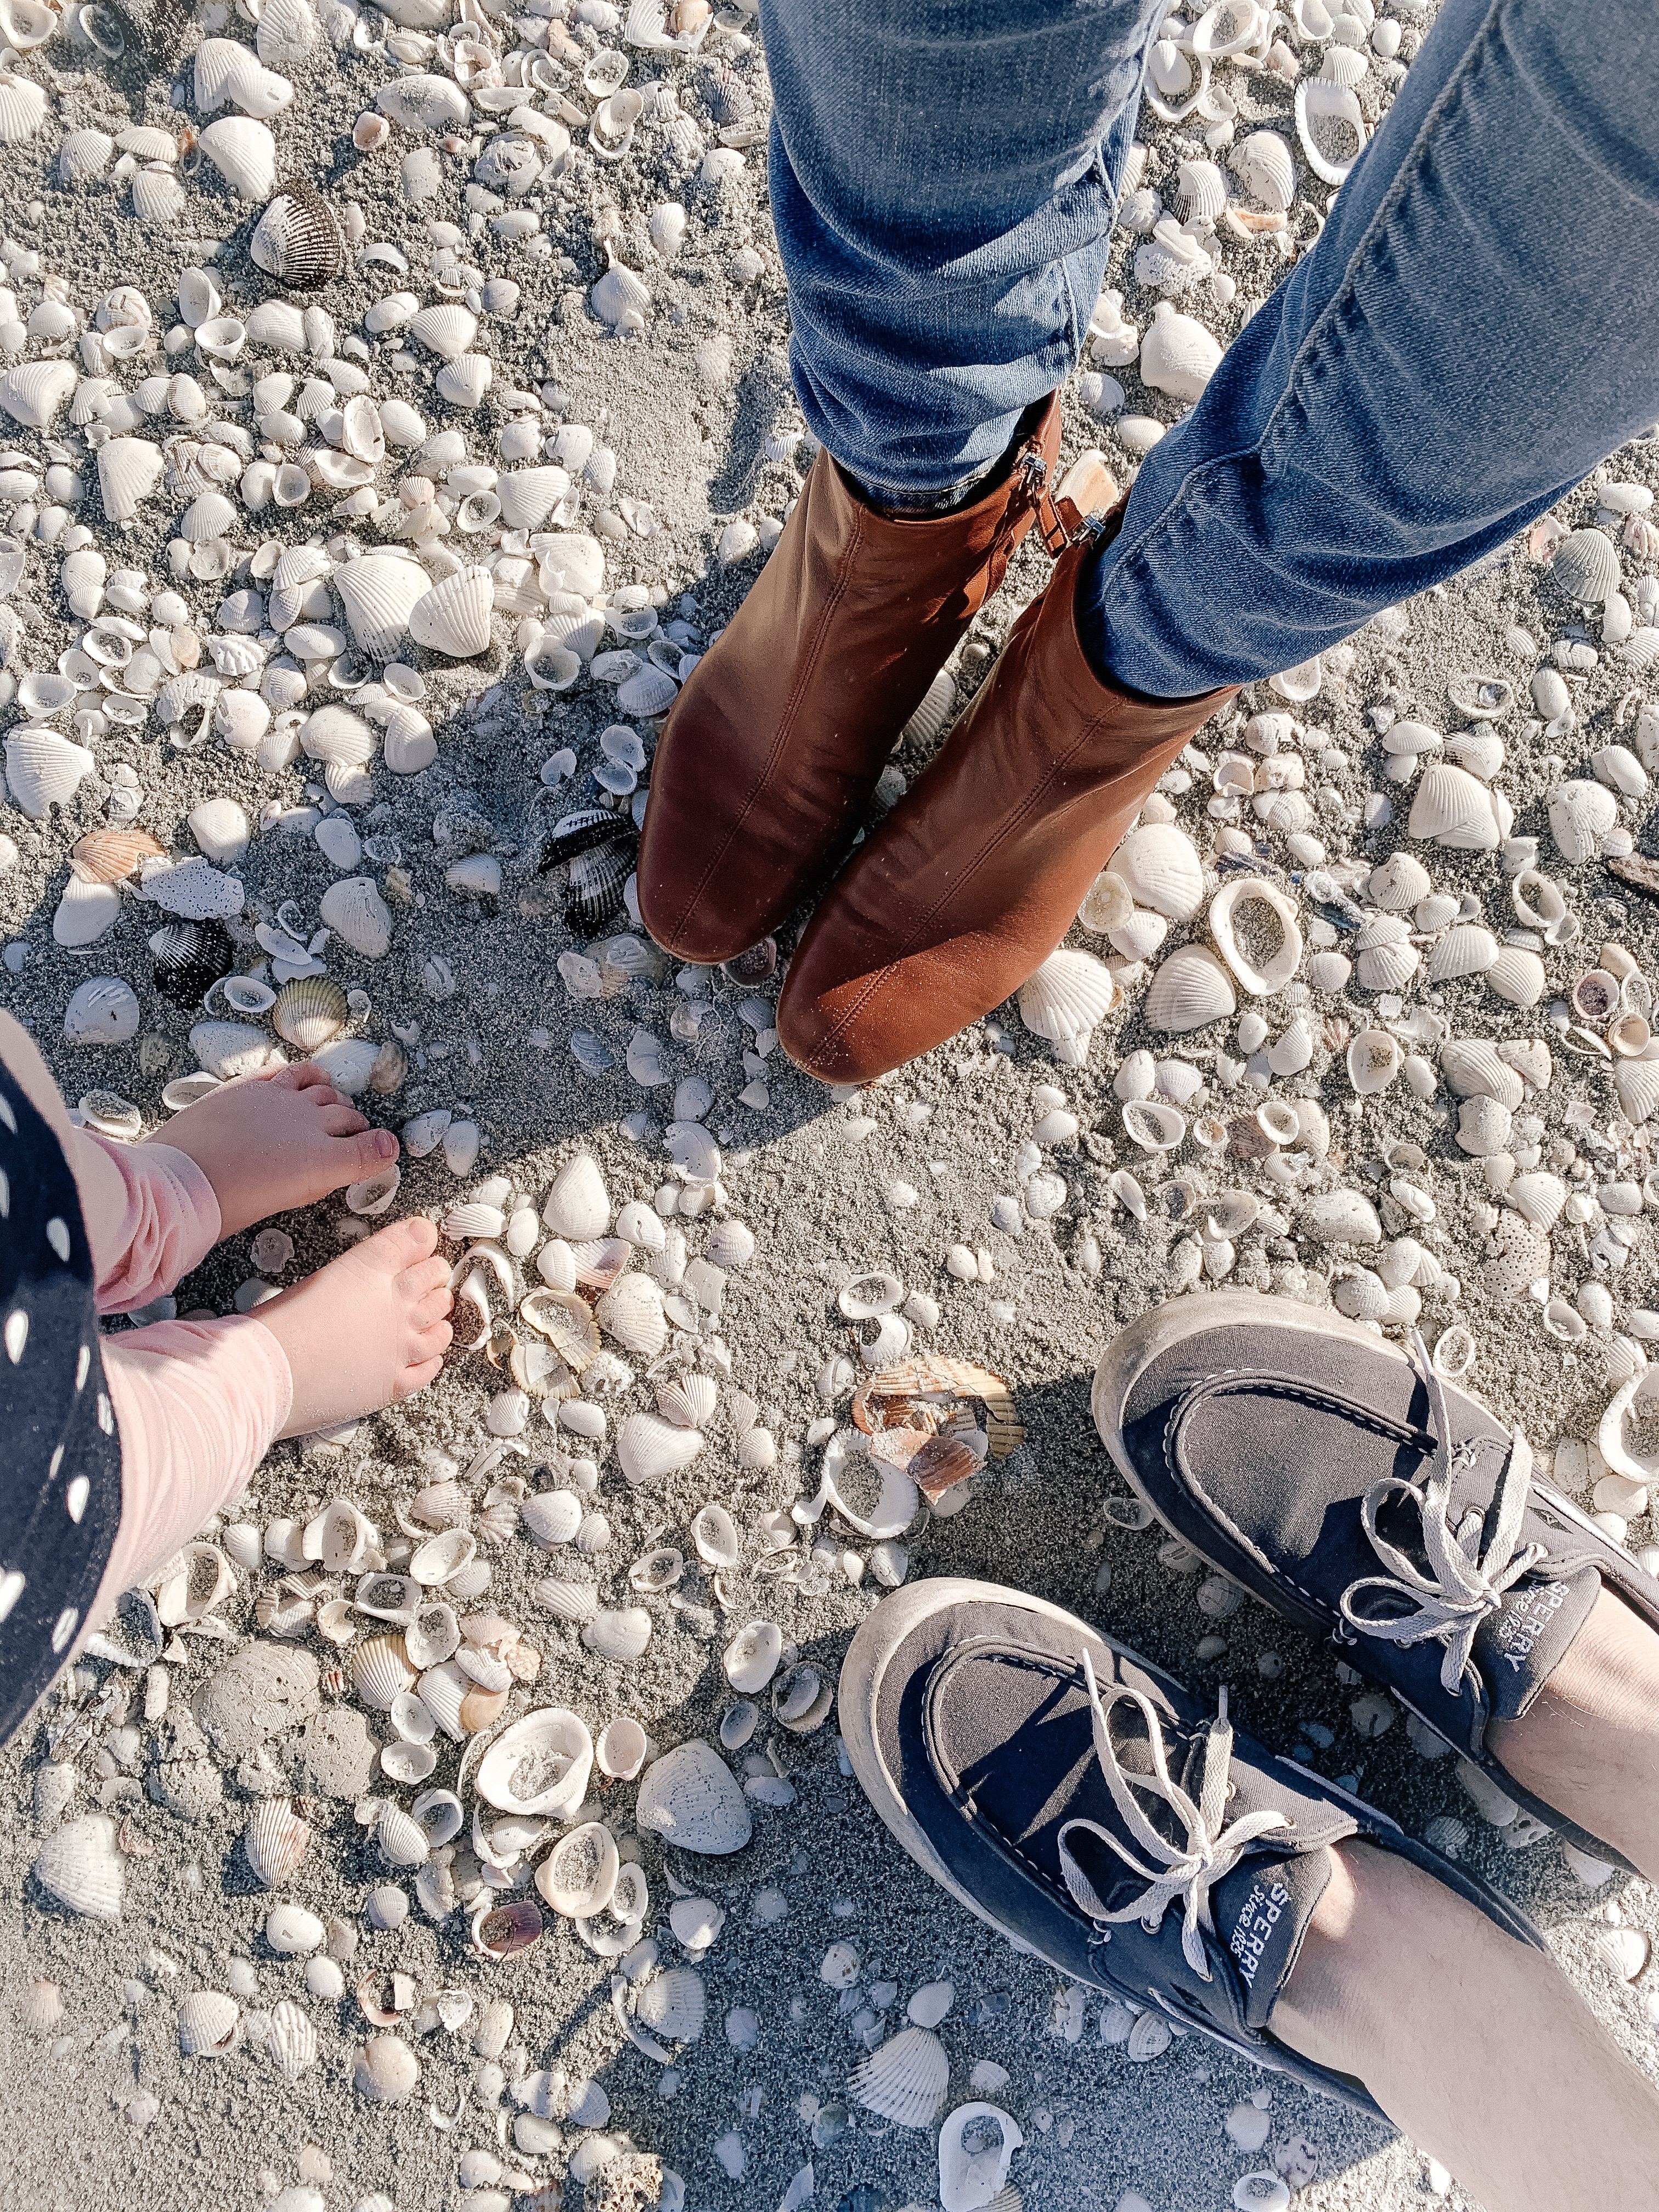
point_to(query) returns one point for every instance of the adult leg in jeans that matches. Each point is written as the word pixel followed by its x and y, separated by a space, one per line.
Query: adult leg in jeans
pixel 942 180
pixel 1443 363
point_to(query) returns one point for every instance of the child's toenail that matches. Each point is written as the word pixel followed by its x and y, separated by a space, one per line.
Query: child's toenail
pixel 384 1145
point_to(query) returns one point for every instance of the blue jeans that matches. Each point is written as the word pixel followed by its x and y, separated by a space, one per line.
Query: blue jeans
pixel 1477 326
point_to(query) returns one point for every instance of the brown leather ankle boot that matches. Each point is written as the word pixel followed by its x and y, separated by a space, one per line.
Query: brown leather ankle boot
pixel 774 745
pixel 979 870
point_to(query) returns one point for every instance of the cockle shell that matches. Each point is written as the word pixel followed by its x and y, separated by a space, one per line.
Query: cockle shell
pixel 1190 989
pixel 1397 883
pixel 1454 809
pixel 1160 865
pixel 1064 1000
pixel 621 299
pixel 673 2005
pixel 688 1403
pixel 621 1634
pixel 579 1874
pixel 1468 949
pixel 540 1767
pixel 355 910
pixel 387 2071
pixel 649 1448
pixel 631 1311
pixel 1585 565
pixel 528 497
pixel 274 1841
pixel 578 1206
pixel 209 2023
pixel 129 470
pixel 379 593
pixel 80 1865
pixel 1265 166
pixel 43 771
pixel 244 153
pixel 297 240
pixel 1581 815
pixel 1386 959
pixel 291 2040
pixel 424 103
pixel 32 392
pixel 1473 1069
pixel 380 1672
pixel 309 1011
pixel 904 2081
pixel 1516 976
pixel 103 1010
pixel 1177 354
pixel 22 108
pixel 1271 953
pixel 453 616
pixel 690 1798
pixel 84 913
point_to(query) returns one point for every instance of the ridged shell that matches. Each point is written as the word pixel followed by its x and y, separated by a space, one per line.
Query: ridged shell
pixel 1266 968
pixel 445 330
pixel 1265 166
pixel 1191 988
pixel 1454 808
pixel 905 2080
pixel 620 296
pixel 1581 815
pixel 1468 949
pixel 566 1600
pixel 208 2023
pixel 291 2040
pixel 690 1402
pixel 1585 566
pixel 380 1672
pixel 631 1312
pixel 32 392
pixel 691 1799
pixel 1538 1197
pixel 566 1321
pixel 355 910
pixel 22 108
pixel 1160 865
pixel 453 616
pixel 81 1866
pixel 649 1448
pixel 673 2005
pixel 540 1767
pixel 188 957
pixel 1516 976
pixel 578 1206
pixel 297 240
pixel 274 1841
pixel 1473 1069
pixel 528 497
pixel 578 1876
pixel 103 1010
pixel 1397 883
pixel 379 593
pixel 552 1517
pixel 400 1838
pixel 43 771
pixel 1637 1082
pixel 1385 959
pixel 1064 1000
pixel 309 1011
pixel 244 153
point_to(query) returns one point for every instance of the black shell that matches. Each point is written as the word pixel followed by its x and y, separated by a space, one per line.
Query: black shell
pixel 597 879
pixel 297 240
pixel 188 957
pixel 582 831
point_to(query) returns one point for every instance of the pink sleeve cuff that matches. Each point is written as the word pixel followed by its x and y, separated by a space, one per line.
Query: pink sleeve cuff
pixel 198 1405
pixel 169 1226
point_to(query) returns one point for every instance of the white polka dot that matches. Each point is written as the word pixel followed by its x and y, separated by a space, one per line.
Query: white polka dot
pixel 65 1628
pixel 79 1491
pixel 6 1114
pixel 83 1368
pixel 11 1588
pixel 57 1236
pixel 56 1461
pixel 17 1334
pixel 106 1415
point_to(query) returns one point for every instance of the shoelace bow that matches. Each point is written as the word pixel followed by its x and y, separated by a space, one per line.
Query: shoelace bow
pixel 1178 1873
pixel 1463 1586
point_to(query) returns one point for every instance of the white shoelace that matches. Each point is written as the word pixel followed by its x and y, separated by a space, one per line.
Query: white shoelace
pixel 1211 1851
pixel 1463 1587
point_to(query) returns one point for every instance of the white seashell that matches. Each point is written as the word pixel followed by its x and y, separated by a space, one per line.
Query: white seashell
pixel 1069 993
pixel 1373 1061
pixel 1261 964
pixel 380 1672
pixel 291 2040
pixel 1386 959
pixel 1190 989
pixel 81 1867
pixel 1153 1126
pixel 620 1752
pixel 579 1874
pixel 567 1600
pixel 294 1931
pixel 970 2181
pixel 196 891
pixel 1468 949
pixel 1265 166
pixel 1538 1198
pixel 715 1536
pixel 387 2071
pixel 274 1841
pixel 673 2005
pixel 1398 883
pixel 752 1656
pixel 209 2024
pixel 1483 1127
pixel 622 1635
pixel 424 103
pixel 649 1448
pixel 464 383
pixel 1581 815
pixel 631 1311
pixel 244 153
pixel 1473 1069
pixel 1454 808
pixel 1110 904
pixel 621 299
pixel 1177 354
pixel 730 1243
pixel 453 616
pixel 32 392
pixel 43 771
pixel 227 1049
pixel 578 1206
pixel 129 470
pixel 1516 976
pixel 22 108
pixel 552 1517
pixel 528 497
pixel 1160 865
pixel 401 1839
pixel 1332 126
pixel 1585 565
pixel 1637 1082
pixel 691 1799
pixel 355 910
pixel 103 1010
pixel 379 593
pixel 541 1766
pixel 1341 1217
pixel 904 2081
pixel 84 913
pixel 689 1404
pixel 446 330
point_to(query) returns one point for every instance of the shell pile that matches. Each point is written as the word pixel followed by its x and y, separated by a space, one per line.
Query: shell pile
pixel 393 409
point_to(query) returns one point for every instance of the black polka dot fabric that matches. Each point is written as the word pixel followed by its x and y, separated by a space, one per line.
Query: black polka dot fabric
pixel 60 1456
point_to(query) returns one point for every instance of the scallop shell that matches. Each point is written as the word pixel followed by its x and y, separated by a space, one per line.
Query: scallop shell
pixel 355 910
pixel 274 1841
pixel 690 1403
pixel 540 1767
pixel 1265 166
pixel 1581 815
pixel 297 240
pixel 103 1010
pixel 1373 1061
pixel 567 1600
pixel 453 616
pixel 528 497
pixel 673 2005
pixel 291 2040
pixel 1397 883
pixel 1063 1001
pixel 1516 976
pixel 1454 809
pixel 80 1865
pixel 33 391
pixel 379 593
pixel 1385 959
pixel 244 153
pixel 445 330
pixel 209 2024
pixel 43 771
pixel 1637 1082
pixel 1262 974
pixel 621 299
pixel 309 1011
pixel 464 383
pixel 1468 949
pixel 578 1206
pixel 1585 565
pixel 1473 1069
pixel 380 1672
pixel 22 108
pixel 904 2081
pixel 1160 865
pixel 649 1448
pixel 691 1799
pixel 579 1874
pixel 1190 989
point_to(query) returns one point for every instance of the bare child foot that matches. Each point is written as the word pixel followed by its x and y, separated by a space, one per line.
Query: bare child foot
pixel 269 1143
pixel 367 1330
